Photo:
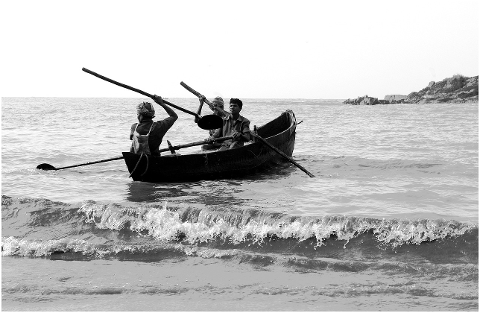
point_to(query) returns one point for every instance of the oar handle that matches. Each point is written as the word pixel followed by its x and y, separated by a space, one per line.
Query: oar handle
pixel 281 153
pixel 202 97
pixel 137 90
pixel 117 83
pixel 196 93
pixel 196 143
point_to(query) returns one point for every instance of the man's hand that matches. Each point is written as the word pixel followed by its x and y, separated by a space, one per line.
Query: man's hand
pixel 157 99
pixel 236 135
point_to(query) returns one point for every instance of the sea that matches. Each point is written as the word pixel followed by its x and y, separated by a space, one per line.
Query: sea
pixel 388 223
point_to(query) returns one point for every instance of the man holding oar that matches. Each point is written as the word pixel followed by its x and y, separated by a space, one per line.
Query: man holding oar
pixel 147 135
pixel 234 125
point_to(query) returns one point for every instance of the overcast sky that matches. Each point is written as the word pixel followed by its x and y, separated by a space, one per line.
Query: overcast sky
pixel 333 49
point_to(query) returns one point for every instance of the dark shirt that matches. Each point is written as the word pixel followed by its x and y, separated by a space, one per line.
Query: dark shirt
pixel 155 138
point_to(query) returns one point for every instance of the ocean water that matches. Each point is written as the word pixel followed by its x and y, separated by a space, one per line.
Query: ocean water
pixel 390 222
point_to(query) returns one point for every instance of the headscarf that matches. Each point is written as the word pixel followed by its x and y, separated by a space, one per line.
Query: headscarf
pixel 146 109
pixel 218 101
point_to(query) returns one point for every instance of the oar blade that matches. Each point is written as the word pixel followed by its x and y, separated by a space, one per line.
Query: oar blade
pixel 210 122
pixel 46 167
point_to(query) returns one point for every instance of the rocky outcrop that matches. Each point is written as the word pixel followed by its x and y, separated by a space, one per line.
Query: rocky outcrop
pixel 366 100
pixel 456 89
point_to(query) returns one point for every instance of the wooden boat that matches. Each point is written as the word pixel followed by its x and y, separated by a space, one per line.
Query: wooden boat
pixel 252 157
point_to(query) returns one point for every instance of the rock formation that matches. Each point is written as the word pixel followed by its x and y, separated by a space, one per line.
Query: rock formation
pixel 456 89
pixel 362 100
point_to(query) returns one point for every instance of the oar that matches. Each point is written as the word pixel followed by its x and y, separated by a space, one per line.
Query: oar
pixel 48 167
pixel 281 153
pixel 205 122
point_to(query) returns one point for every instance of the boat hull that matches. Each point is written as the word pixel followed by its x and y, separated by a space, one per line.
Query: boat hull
pixel 253 157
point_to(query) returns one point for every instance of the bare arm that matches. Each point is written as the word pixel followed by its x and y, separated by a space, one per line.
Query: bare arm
pixel 132 129
pixel 167 109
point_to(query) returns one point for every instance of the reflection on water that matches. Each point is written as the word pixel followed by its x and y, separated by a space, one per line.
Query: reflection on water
pixel 216 194
pixel 151 192
pixel 139 192
pixel 205 193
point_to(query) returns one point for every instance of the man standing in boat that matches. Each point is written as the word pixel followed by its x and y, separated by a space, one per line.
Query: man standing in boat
pixel 234 125
pixel 147 135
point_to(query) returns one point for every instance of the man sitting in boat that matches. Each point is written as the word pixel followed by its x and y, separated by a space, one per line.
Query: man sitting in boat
pixel 234 125
pixel 217 109
pixel 147 135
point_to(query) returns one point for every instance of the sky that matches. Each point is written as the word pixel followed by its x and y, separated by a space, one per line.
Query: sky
pixel 335 49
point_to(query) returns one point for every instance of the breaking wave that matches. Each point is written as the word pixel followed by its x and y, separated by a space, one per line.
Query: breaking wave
pixel 43 228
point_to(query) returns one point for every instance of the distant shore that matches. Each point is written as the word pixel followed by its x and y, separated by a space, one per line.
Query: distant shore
pixel 455 89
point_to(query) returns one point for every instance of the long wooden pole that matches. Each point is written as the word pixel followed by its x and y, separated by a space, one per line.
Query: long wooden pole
pixel 206 122
pixel 139 91
pixel 281 153
pixel 48 167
